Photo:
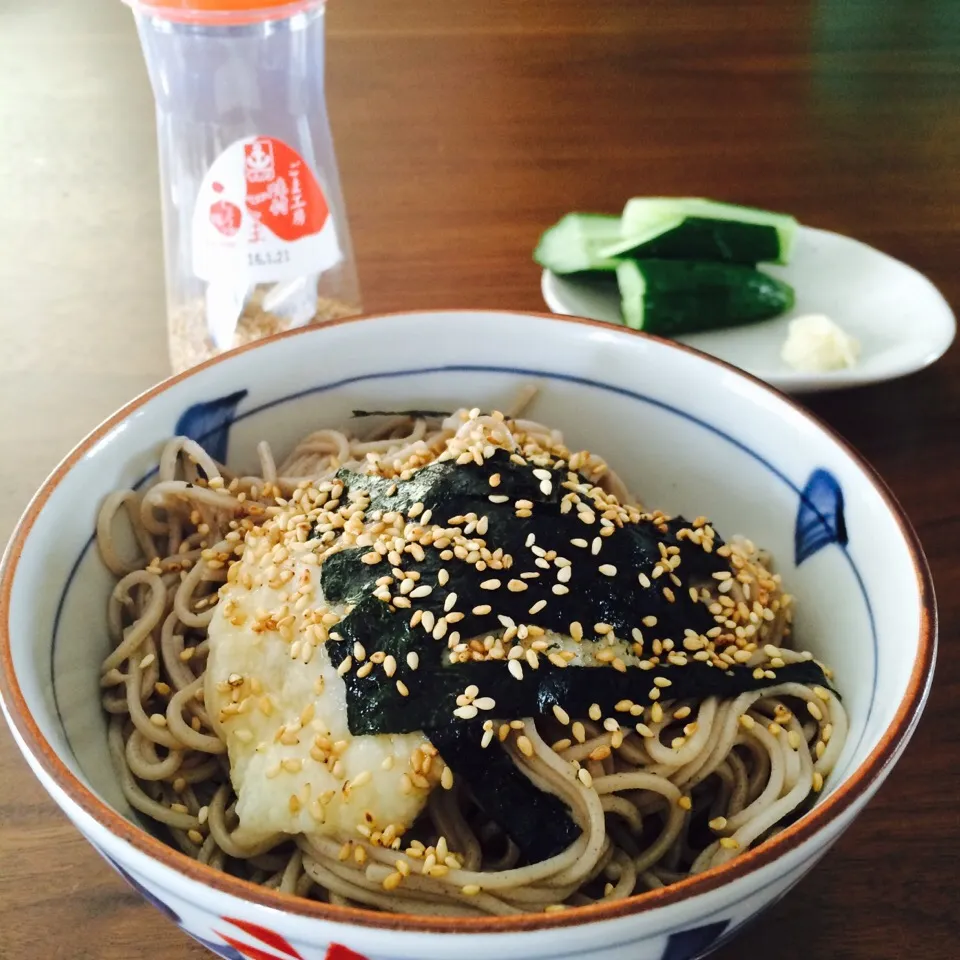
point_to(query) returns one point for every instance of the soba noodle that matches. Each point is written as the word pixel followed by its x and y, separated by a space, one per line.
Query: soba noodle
pixel 688 788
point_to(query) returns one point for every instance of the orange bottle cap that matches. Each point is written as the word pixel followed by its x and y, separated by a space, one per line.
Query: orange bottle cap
pixel 225 12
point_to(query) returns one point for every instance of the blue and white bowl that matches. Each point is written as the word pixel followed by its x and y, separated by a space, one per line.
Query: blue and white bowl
pixel 690 434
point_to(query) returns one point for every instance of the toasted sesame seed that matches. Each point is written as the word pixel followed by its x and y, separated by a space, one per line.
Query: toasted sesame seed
pixel 643 730
pixel 662 682
pixel 158 719
pixel 525 746
pixel 656 713
pixel 561 714
pixel 729 843
pixel 516 586
pixel 649 621
pixel 747 722
pixel 492 584
pixel 685 803
pixel 402 689
pixel 537 607
pixel 392 881
pixel 817 781
pixel 594 713
pixel 814 710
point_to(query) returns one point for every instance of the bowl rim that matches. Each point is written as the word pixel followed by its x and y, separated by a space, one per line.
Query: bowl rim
pixel 824 813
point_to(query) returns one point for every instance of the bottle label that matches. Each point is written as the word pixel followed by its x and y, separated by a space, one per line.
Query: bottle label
pixel 261 216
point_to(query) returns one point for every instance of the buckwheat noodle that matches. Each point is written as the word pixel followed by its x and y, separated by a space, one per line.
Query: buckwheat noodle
pixel 651 814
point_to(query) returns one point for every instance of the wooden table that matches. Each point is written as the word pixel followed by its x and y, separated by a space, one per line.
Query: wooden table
pixel 463 129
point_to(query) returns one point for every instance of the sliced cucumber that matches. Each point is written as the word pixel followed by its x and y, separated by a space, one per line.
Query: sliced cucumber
pixel 673 297
pixel 572 244
pixel 688 228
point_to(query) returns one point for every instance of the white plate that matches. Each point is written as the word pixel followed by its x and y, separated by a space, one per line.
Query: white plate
pixel 900 318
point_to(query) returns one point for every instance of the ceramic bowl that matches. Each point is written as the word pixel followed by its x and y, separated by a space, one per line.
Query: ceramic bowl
pixel 689 433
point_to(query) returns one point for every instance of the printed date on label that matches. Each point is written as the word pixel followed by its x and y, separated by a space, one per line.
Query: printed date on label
pixel 262 259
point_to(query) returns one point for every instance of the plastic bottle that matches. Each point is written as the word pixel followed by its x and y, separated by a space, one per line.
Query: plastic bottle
pixel 255 231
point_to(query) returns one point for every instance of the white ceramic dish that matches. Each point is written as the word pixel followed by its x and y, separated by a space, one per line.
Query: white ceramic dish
pixel 730 448
pixel 902 321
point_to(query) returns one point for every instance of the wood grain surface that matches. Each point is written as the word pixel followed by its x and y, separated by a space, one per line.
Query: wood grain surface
pixel 463 129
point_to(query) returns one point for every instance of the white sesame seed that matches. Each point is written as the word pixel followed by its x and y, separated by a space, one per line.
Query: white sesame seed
pixel 537 607
pixel 515 669
pixel 467 712
pixel 443 576
pixel 546 487
pixel 492 584
pixel 497 498
pixel 413 660
pixel 402 689
pixel 424 590
pixel 345 666
pixel 596 545
pixel 583 775
pixel 559 589
pixel 579 542
pixel 450 602
pixel 564 574
pixel 607 569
